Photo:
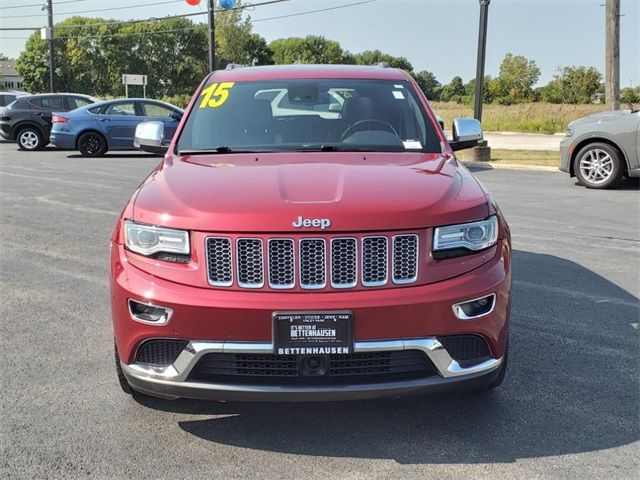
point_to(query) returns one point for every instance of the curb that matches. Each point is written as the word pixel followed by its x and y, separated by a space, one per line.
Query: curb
pixel 509 166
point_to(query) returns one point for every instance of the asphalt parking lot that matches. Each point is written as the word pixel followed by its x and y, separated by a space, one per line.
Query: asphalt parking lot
pixel 568 408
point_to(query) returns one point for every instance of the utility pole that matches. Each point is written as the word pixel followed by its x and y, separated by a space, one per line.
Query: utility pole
pixel 52 60
pixel 612 61
pixel 212 35
pixel 482 49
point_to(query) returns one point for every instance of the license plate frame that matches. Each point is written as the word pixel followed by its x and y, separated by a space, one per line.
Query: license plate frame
pixel 329 333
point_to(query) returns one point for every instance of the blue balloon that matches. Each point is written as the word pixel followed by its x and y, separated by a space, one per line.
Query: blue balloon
pixel 227 4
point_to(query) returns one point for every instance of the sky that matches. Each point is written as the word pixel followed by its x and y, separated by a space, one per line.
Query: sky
pixel 436 35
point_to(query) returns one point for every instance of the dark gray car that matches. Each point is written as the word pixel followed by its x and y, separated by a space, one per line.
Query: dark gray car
pixel 602 148
pixel 28 119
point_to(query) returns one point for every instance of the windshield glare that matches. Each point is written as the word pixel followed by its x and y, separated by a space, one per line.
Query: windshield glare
pixel 323 114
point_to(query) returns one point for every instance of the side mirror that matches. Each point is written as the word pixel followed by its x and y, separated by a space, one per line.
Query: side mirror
pixel 467 133
pixel 149 137
pixel 177 116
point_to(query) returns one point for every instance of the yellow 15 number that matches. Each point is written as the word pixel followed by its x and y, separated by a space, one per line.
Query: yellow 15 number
pixel 215 94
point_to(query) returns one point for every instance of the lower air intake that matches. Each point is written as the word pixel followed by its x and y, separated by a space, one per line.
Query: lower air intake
pixel 159 353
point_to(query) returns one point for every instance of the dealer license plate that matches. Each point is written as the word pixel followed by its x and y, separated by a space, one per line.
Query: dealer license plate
pixel 313 333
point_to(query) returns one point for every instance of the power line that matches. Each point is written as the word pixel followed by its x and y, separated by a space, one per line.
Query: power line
pixel 195 27
pixel 169 17
pixel 98 9
pixel 124 34
pixel 313 11
pixel 38 5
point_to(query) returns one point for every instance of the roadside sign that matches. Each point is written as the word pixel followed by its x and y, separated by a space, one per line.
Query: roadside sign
pixel 134 79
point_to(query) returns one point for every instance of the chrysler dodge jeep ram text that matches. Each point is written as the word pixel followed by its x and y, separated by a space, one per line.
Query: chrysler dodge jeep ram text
pixel 309 235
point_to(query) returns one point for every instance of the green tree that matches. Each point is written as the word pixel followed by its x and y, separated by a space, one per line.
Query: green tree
pixel 629 95
pixel 429 84
pixel 453 91
pixel 236 42
pixel 517 77
pixel 373 57
pixel 311 49
pixel 3 57
pixel 572 85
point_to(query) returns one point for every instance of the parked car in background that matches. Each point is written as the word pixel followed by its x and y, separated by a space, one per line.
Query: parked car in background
pixel 8 97
pixel 28 119
pixel 600 149
pixel 110 124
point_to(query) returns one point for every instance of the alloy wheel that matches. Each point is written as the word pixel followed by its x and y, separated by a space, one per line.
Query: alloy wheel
pixel 596 166
pixel 29 140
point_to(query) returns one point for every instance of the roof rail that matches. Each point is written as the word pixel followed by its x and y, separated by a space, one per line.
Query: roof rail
pixel 233 66
pixel 382 65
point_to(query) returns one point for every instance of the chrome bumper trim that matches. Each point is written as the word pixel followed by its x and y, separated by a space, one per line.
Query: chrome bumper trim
pixel 178 372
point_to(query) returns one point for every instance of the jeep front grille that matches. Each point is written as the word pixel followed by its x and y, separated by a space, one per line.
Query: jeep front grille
pixel 338 262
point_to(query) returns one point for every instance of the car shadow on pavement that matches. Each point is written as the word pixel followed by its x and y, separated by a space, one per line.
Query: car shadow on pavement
pixel 571 387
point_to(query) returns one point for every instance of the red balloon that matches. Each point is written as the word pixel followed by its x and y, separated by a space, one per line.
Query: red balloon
pixel 193 2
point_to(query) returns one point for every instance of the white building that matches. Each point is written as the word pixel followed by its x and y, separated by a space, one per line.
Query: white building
pixel 9 77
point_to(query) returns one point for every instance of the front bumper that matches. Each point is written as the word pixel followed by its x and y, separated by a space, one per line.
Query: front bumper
pixel 566 150
pixel 172 382
pixel 218 321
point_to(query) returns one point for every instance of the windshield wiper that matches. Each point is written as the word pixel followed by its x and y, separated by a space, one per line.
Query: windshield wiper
pixel 348 148
pixel 218 149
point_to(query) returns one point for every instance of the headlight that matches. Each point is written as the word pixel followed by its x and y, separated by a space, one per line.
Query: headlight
pixel 471 236
pixel 569 132
pixel 149 240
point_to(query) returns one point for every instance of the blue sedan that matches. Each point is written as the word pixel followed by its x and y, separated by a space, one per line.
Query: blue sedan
pixel 110 125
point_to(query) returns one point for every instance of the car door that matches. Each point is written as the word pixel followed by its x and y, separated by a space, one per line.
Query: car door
pixel 158 112
pixel 43 109
pixel 120 120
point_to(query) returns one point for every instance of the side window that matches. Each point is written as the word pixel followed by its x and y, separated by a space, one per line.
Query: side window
pixel 155 110
pixel 52 103
pixel 125 108
pixel 36 102
pixel 77 102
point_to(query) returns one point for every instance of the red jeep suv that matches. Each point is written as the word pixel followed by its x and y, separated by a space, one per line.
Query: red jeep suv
pixel 309 235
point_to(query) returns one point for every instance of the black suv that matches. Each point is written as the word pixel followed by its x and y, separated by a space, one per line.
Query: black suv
pixel 7 97
pixel 28 119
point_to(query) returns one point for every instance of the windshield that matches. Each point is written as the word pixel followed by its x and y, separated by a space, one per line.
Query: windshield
pixel 308 114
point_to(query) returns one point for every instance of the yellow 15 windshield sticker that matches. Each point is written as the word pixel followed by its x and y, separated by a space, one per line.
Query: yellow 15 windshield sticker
pixel 215 94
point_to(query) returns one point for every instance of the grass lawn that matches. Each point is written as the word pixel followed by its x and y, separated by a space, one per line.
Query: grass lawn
pixel 519 157
pixel 537 117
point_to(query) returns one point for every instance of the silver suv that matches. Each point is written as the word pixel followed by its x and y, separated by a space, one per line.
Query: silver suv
pixel 600 149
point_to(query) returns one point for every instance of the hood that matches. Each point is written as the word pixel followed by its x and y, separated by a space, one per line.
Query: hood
pixel 602 117
pixel 269 192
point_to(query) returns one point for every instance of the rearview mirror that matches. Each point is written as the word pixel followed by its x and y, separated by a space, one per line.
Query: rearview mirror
pixel 149 137
pixel 467 133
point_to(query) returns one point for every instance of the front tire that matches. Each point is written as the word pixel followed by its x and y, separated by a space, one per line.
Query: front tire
pixel 30 139
pixel 92 144
pixel 503 371
pixel 122 380
pixel 598 165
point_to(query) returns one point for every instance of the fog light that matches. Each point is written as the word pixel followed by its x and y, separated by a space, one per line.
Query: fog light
pixel 147 313
pixel 478 307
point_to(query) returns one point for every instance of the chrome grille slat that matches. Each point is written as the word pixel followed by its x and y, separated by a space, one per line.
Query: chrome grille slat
pixel 312 263
pixel 374 261
pixel 405 259
pixel 339 262
pixel 219 262
pixel 344 263
pixel 250 262
pixel 281 263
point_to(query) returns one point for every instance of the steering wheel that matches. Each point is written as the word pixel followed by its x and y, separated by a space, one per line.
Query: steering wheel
pixel 356 126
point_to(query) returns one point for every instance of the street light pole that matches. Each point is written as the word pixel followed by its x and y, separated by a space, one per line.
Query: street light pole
pixel 212 35
pixel 482 49
pixel 52 62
